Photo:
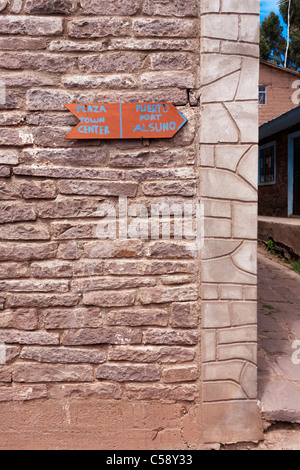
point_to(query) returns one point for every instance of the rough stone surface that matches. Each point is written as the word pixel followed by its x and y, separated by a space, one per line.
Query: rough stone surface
pixel 132 334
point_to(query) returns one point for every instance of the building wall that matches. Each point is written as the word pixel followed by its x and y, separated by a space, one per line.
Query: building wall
pixel 127 344
pixel 279 92
pixel 273 198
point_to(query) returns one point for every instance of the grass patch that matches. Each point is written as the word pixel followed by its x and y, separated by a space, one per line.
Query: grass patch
pixel 270 309
pixel 295 266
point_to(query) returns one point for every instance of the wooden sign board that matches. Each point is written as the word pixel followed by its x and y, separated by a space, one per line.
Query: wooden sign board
pixel 126 121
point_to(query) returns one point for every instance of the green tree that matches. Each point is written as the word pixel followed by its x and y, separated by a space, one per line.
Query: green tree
pixel 295 12
pixel 294 45
pixel 272 42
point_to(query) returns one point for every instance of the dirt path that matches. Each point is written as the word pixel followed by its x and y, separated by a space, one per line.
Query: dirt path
pixel 279 377
pixel 279 329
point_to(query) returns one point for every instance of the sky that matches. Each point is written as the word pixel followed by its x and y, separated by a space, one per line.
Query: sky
pixel 266 6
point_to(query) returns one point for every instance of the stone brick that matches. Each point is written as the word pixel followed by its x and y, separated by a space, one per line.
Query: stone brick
pixel 21 44
pixel 170 250
pixel 152 80
pixel 66 157
pixel 21 337
pixel 11 352
pixel 231 292
pixel 238 335
pixel 179 61
pixel 41 300
pixel 139 317
pixel 24 232
pixel 51 7
pixel 128 373
pixel 112 62
pixel 22 393
pixel 27 252
pixel 180 374
pixel 4 172
pixel 38 190
pixel 175 280
pixel 162 8
pixel 153 44
pixel 109 82
pixel 98 28
pixel 171 337
pixel 9 190
pixel 216 314
pixel 62 318
pixel 95 336
pixel 34 286
pixel 63 355
pixel 184 315
pixel 10 212
pixel 14 270
pixel 229 370
pixel 26 79
pixel 169 189
pixel 222 391
pixel 21 319
pixel 74 173
pixel 171 174
pixel 5 374
pixel 209 340
pixel 92 188
pixel 69 251
pixel 151 354
pixel 8 157
pixel 32 373
pixel 28 26
pixel 110 7
pixel 114 249
pixel 63 45
pixel 13 137
pixel 246 351
pixel 160 295
pixel 141 268
pixel 109 298
pixel 169 28
pixel 99 390
pixel 47 99
pixel 159 392
pixel 17 6
pixel 244 313
pixel 68 208
pixel 74 230
pixel 99 284
pixel 150 158
pixel 43 62
pixel 52 269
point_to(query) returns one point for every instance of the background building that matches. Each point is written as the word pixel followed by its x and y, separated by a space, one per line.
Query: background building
pixel 277 86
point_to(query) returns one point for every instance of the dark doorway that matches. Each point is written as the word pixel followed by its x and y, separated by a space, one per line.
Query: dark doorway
pixel 296 208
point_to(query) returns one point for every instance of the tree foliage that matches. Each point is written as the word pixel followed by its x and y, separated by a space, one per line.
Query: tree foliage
pixel 272 41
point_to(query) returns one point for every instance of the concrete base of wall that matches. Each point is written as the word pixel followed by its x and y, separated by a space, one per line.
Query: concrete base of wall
pixel 285 232
pixel 93 424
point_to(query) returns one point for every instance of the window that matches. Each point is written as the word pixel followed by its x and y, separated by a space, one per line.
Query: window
pixel 267 164
pixel 262 94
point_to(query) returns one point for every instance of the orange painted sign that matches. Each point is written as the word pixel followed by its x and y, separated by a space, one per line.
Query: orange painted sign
pixel 126 121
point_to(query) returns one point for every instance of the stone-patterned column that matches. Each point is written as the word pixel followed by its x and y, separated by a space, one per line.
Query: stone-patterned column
pixel 228 160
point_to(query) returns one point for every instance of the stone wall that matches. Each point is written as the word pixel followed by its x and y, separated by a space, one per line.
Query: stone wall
pixel 104 338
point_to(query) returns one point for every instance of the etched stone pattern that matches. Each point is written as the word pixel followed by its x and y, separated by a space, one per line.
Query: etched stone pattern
pixel 228 156
pixel 80 316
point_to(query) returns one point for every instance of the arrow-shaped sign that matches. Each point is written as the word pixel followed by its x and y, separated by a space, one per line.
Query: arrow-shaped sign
pixel 126 121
